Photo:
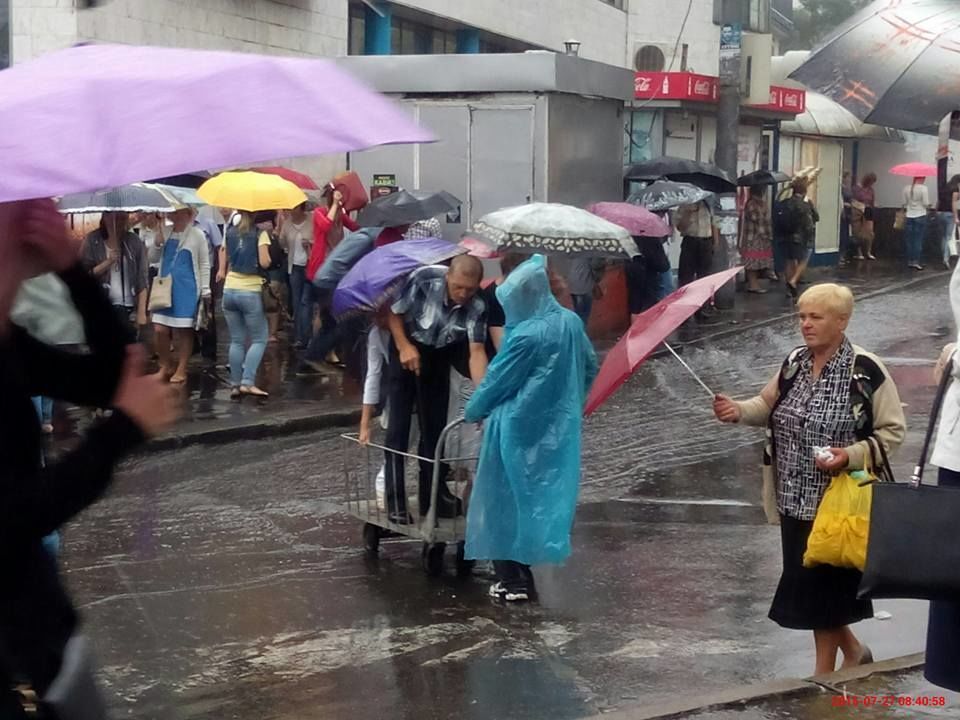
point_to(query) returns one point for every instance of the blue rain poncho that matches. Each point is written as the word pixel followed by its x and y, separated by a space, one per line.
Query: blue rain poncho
pixel 532 398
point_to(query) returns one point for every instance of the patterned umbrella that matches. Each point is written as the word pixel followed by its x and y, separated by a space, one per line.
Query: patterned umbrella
pixel 636 220
pixel 552 228
pixel 665 195
pixel 892 64
pixel 126 198
pixel 379 274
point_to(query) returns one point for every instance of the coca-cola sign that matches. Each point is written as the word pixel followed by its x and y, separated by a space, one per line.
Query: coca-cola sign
pixel 675 86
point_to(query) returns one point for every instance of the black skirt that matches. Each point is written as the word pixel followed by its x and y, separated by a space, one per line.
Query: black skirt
pixel 818 598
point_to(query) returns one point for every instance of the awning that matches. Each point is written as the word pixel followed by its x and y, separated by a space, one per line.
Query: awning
pixel 823 117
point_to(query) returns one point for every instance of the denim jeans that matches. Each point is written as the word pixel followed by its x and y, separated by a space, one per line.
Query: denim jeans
pixel 949 227
pixel 243 310
pixel 915 229
pixel 44 407
pixel 582 305
pixel 301 319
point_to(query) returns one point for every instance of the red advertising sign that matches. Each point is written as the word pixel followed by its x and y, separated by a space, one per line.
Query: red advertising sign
pixel 675 86
pixel 785 100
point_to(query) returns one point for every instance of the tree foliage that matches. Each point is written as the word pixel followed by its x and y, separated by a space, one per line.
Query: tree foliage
pixel 815 19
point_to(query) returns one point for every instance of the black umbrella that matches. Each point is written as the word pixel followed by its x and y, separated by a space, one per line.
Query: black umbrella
pixel 406 207
pixel 703 175
pixel 665 195
pixel 187 180
pixel 763 177
pixel 894 63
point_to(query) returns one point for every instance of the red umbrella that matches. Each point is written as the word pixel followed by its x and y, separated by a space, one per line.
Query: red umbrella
pixel 304 182
pixel 648 331
pixel 914 169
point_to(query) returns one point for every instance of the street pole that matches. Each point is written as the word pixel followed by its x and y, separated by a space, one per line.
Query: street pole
pixel 728 134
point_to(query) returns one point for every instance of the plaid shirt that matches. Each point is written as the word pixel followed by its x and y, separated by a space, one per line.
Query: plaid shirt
pixel 422 229
pixel 813 413
pixel 430 317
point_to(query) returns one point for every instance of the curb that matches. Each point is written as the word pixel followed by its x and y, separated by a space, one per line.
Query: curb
pixel 667 707
pixel 254 431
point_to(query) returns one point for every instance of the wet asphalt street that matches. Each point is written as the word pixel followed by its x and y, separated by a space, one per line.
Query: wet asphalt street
pixel 224 582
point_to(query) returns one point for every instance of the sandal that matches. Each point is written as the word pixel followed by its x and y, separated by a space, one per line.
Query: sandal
pixel 178 379
pixel 253 391
pixel 235 393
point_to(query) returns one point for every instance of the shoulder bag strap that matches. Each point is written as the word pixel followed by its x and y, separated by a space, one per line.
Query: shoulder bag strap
pixel 917 476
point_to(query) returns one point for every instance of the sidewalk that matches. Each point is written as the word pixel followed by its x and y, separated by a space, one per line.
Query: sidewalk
pixel 303 404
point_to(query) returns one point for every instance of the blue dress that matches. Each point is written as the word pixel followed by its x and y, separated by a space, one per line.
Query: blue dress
pixel 178 262
pixel 532 397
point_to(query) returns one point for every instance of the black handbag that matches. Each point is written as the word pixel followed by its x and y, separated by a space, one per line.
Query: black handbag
pixel 912 550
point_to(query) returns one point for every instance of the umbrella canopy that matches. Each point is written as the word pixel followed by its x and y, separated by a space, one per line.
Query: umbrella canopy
pixel 407 207
pixel 914 169
pixel 304 182
pixel 126 198
pixel 763 177
pixel 665 195
pixel 553 228
pixel 636 220
pixel 179 195
pixel 649 330
pixel 479 249
pixel 377 275
pixel 191 180
pixel 67 138
pixel 251 191
pixel 703 175
pixel 891 64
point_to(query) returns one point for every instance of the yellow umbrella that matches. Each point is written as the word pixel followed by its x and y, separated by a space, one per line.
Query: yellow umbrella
pixel 251 191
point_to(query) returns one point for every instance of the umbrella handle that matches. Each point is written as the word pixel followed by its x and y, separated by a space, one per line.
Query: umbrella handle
pixel 690 370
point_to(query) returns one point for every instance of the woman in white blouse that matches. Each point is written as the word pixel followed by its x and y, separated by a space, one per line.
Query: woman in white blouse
pixel 916 203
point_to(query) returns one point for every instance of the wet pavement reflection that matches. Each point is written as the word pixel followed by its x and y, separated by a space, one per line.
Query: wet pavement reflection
pixel 224 582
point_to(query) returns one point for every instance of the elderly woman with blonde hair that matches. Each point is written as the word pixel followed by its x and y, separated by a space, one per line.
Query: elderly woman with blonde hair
pixel 828 393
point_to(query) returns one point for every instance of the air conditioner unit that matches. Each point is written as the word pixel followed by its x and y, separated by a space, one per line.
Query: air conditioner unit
pixel 756 51
pixel 653 57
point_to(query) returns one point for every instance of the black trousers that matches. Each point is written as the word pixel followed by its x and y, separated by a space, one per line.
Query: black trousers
pixel 696 259
pixel 943 631
pixel 429 394
pixel 514 575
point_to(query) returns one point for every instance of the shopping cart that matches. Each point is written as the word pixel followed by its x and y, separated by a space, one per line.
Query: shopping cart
pixel 366 497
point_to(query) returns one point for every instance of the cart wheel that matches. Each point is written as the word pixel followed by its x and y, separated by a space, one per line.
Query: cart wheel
pixel 432 558
pixel 371 538
pixel 464 566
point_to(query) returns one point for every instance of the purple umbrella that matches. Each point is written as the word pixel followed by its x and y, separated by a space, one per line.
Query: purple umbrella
pixel 375 277
pixel 636 220
pixel 75 120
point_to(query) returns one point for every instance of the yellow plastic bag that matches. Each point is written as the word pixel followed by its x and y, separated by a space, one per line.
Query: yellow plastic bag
pixel 842 525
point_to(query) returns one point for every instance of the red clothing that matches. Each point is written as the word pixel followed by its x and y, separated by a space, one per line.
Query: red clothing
pixel 322 241
pixel 389 235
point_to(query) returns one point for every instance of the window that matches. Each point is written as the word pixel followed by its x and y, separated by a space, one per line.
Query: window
pixel 444 42
pixel 752 15
pixel 5 34
pixel 357 40
pixel 410 38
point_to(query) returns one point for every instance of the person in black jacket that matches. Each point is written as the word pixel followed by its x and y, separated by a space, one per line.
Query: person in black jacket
pixel 36 616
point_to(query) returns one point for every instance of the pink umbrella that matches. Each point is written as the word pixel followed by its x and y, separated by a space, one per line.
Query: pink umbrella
pixel 914 169
pixel 96 116
pixel 636 220
pixel 649 330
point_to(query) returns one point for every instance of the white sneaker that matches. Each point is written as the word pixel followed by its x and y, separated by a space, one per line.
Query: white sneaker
pixel 498 591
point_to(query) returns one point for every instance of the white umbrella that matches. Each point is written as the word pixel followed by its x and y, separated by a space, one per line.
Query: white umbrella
pixel 554 229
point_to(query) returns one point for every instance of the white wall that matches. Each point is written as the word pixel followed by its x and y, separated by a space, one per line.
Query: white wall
pixel 601 28
pixel 281 27
pixel 878 157
pixel 658 22
pixel 41 26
